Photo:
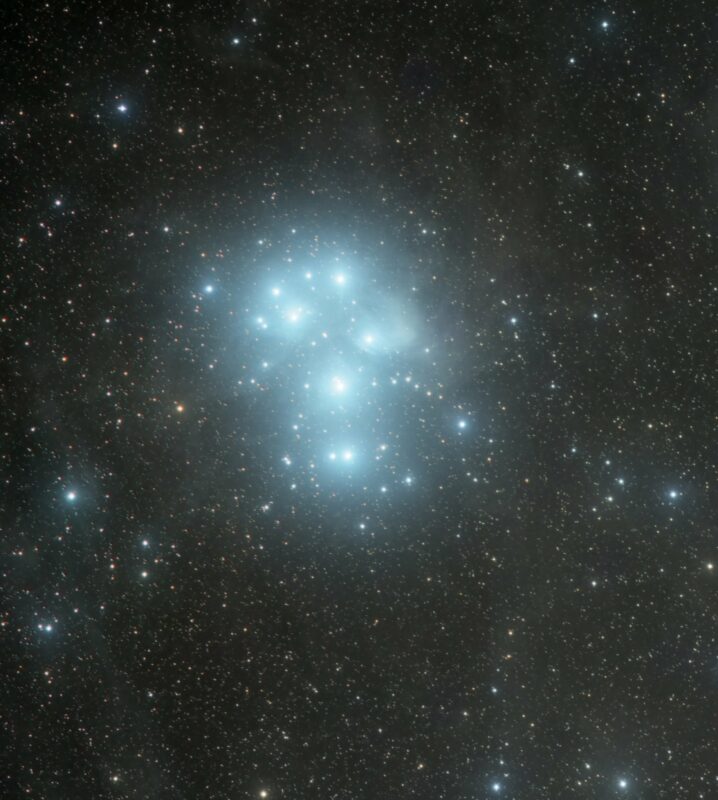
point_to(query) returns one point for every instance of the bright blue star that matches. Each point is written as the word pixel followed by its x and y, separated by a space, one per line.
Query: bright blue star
pixel 346 455
pixel 338 385
pixel 294 315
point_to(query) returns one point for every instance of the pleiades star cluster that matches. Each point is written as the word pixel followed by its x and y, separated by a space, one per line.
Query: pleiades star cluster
pixel 345 384
pixel 359 401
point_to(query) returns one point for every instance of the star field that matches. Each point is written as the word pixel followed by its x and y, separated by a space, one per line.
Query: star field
pixel 359 404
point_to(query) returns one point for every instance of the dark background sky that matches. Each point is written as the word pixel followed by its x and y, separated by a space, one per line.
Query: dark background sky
pixel 536 617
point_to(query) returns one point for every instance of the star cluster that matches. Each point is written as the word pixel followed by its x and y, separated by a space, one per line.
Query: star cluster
pixel 354 396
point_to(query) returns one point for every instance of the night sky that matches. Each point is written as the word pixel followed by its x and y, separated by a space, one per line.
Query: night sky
pixel 359 401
